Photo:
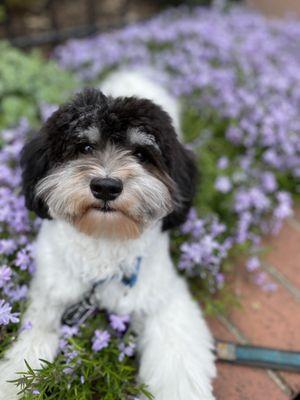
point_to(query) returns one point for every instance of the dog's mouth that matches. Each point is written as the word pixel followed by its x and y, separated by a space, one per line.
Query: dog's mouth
pixel 105 208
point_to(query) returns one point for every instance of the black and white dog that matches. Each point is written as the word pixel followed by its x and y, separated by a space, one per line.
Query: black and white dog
pixel 109 177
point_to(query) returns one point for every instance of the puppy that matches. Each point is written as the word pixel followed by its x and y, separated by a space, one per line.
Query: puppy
pixel 110 178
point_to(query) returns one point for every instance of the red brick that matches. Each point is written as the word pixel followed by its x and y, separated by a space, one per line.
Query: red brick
pixel 219 331
pixel 267 319
pixel 293 379
pixel 284 253
pixel 297 213
pixel 238 382
pixel 243 383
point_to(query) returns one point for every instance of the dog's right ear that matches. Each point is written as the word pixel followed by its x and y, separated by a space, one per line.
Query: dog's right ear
pixel 35 164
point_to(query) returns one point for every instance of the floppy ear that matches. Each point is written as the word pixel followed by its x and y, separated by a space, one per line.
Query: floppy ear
pixel 184 173
pixel 35 164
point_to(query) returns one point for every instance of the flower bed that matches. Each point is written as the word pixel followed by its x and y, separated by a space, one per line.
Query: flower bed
pixel 238 77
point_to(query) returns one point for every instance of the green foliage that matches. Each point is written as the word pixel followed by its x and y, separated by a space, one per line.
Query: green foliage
pixel 89 375
pixel 26 82
pixel 2 13
pixel 206 133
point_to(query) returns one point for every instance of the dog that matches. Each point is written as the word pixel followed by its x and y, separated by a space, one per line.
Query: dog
pixel 109 177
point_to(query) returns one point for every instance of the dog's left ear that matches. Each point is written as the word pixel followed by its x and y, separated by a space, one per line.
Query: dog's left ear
pixel 35 164
pixel 183 171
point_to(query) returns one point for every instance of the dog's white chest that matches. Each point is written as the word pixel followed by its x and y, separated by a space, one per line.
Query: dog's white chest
pixel 78 261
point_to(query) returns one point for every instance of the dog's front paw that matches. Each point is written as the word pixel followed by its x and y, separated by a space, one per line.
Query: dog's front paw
pixel 183 385
pixel 183 390
pixel 180 380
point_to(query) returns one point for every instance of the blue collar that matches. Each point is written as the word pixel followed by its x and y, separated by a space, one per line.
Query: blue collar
pixel 132 279
pixel 77 313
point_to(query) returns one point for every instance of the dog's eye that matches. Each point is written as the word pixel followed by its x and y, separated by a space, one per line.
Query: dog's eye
pixel 142 155
pixel 86 148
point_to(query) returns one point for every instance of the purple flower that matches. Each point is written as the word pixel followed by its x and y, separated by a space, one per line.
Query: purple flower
pixel 284 207
pixel 16 293
pixel 69 331
pixel 26 326
pixel 203 253
pixel 126 350
pixel 71 355
pixel 253 264
pixel 68 370
pixel 63 344
pixel 234 134
pixel 193 251
pixel 101 340
pixel 217 228
pixel 223 184
pixel 193 224
pixel 7 246
pixel 268 181
pixel 5 275
pixel 223 162
pixel 258 199
pixel 260 278
pixel 23 259
pixel 271 157
pixel 242 201
pixel 220 279
pixel 6 316
pixel 119 322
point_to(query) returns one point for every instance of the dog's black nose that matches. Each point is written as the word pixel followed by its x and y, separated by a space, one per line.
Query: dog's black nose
pixel 106 188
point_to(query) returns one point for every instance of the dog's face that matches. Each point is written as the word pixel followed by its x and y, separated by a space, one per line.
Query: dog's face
pixel 110 167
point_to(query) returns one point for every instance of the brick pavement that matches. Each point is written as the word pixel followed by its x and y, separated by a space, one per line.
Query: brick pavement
pixel 265 318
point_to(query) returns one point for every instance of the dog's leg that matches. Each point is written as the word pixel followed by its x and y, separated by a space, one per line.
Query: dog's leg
pixel 176 348
pixel 38 339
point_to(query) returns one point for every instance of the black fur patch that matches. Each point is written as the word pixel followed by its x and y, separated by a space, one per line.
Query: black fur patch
pixel 58 142
pixel 35 162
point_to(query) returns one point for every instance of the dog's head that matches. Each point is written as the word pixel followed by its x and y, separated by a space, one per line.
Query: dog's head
pixel 109 166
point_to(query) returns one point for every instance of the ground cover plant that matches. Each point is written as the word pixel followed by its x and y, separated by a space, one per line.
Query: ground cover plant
pixel 238 77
